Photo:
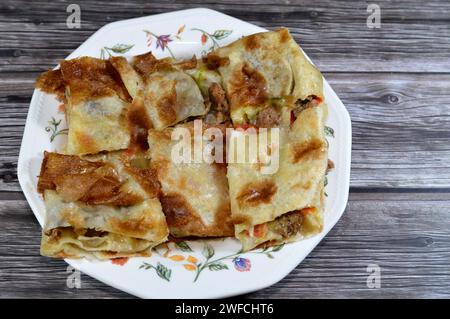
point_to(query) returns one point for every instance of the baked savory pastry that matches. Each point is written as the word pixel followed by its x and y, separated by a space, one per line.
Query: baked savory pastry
pixel 288 204
pixel 75 229
pixel 194 195
pixel 96 104
pixel 102 206
pixel 115 190
pixel 169 95
pixel 264 68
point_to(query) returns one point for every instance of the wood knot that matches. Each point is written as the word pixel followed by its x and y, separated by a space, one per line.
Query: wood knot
pixel 392 99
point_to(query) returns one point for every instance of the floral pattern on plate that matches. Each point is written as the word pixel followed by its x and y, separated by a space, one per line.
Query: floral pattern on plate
pixel 173 276
pixel 181 252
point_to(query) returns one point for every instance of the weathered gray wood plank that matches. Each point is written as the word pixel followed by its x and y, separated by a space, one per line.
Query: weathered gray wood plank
pixel 406 234
pixel 401 127
pixel 412 38
pixel 397 216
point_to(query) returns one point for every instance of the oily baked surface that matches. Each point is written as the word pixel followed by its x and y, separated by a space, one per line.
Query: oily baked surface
pixel 194 196
pixel 257 198
pixel 262 67
pixel 100 206
pixel 115 190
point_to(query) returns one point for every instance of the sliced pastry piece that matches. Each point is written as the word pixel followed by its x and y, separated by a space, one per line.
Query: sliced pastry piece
pixel 76 229
pixel 138 118
pixel 96 107
pixel 285 204
pixel 169 94
pixel 210 83
pixel 194 195
pixel 109 179
pixel 102 206
pixel 265 69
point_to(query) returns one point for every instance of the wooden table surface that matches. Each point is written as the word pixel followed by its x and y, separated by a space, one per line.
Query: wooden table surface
pixel 395 82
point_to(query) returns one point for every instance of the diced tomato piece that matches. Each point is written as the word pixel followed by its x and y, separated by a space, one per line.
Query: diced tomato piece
pixel 260 230
pixel 293 117
pixel 119 261
pixel 244 126
pixel 308 210
pixel 318 99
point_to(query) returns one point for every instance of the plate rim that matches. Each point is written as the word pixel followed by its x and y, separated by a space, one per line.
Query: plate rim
pixel 290 263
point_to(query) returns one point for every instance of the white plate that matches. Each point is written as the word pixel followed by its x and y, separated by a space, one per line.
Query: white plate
pixel 174 272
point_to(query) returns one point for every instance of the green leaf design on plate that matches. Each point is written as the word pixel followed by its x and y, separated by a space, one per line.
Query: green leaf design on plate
pixel 102 54
pixel 329 131
pixel 217 266
pixel 121 48
pixel 221 34
pixel 183 246
pixel 277 248
pixel 161 270
pixel 208 251
pixel 53 128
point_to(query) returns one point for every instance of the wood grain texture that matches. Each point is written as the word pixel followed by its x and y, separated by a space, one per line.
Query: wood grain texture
pixel 413 37
pixel 400 127
pixel 395 82
pixel 405 234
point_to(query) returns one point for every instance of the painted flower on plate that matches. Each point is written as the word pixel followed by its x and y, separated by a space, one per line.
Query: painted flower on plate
pixel 204 38
pixel 242 264
pixel 162 41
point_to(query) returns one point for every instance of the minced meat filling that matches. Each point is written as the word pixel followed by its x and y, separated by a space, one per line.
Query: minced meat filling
pixel 268 118
pixel 288 224
pixel 271 116
pixel 55 233
pixel 302 105
pixel 91 232
pixel 219 112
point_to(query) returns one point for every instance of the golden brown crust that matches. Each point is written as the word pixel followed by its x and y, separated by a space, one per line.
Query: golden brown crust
pixel 187 64
pixel 92 183
pixel 75 220
pixel 85 142
pixel 181 217
pixel 166 105
pixel 284 35
pixel 147 178
pixel 312 148
pixel 252 42
pixel 55 165
pixel 254 194
pixel 95 188
pixel 138 123
pixel 250 84
pixel 89 78
pixel 213 61
pixel 118 63
pixel 146 64
pixel 178 211
pixel 241 219
pixel 132 227
pixel 248 87
pixel 194 197
pixel 52 82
